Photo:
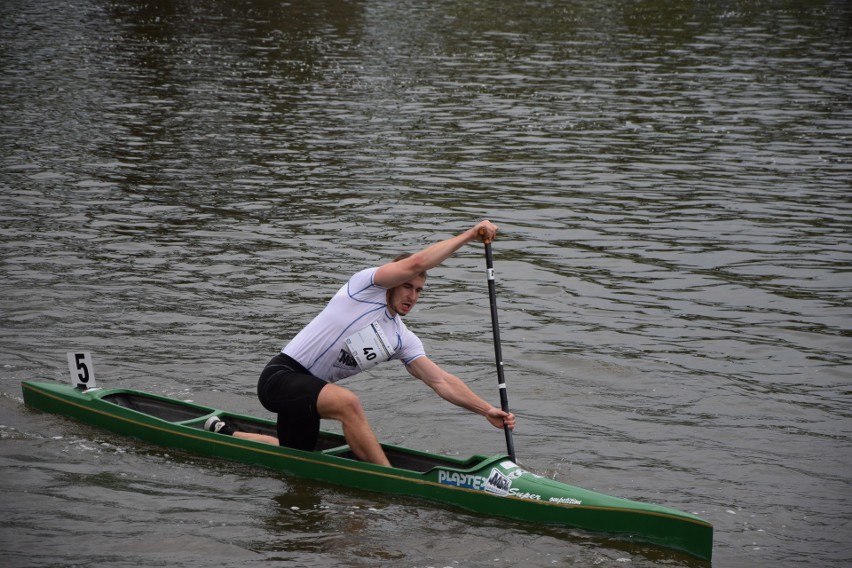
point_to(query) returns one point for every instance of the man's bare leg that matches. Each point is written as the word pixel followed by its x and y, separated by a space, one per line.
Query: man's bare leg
pixel 256 437
pixel 216 424
pixel 342 404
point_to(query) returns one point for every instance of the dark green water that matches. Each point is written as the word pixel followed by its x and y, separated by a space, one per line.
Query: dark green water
pixel 184 184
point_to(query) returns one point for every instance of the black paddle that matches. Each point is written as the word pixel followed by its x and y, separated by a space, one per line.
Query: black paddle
pixel 498 353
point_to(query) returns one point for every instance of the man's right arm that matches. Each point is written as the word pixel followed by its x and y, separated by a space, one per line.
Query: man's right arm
pixel 395 273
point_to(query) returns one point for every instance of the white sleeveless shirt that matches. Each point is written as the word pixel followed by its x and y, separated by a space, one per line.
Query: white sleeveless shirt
pixel 321 347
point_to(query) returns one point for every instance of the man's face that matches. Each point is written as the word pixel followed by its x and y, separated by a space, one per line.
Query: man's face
pixel 402 298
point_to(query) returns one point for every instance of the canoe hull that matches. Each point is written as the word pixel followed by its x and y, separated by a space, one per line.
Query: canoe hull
pixel 493 486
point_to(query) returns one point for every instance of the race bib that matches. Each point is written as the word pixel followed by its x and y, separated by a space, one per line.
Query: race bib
pixel 370 346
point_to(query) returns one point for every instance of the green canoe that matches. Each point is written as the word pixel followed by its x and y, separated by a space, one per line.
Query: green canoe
pixel 493 486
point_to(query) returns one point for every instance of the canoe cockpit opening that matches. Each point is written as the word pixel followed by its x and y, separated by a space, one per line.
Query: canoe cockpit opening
pixel 329 443
pixel 419 463
pixel 171 411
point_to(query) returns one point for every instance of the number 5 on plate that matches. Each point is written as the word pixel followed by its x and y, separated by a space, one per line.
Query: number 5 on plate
pixel 81 369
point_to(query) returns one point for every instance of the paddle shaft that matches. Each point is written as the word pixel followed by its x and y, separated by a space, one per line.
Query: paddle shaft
pixel 498 352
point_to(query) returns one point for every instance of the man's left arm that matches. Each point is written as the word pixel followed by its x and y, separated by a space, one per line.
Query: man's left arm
pixel 454 390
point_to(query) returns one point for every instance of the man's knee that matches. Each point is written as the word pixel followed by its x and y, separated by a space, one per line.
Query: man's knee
pixel 339 403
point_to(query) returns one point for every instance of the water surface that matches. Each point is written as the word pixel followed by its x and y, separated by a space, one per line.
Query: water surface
pixel 183 186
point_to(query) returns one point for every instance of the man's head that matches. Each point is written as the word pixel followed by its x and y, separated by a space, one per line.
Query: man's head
pixel 401 299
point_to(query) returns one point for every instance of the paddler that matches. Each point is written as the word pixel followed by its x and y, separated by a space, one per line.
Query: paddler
pixel 359 328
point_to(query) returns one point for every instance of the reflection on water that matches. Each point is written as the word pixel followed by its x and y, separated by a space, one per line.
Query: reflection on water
pixel 319 522
pixel 184 185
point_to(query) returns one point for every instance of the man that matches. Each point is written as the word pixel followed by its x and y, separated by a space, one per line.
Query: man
pixel 360 327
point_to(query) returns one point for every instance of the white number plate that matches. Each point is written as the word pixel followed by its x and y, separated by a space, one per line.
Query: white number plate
pixel 81 369
pixel 370 346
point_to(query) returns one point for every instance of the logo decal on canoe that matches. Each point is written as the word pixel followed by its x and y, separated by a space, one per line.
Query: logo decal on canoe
pixel 565 501
pixel 498 483
pixel 466 480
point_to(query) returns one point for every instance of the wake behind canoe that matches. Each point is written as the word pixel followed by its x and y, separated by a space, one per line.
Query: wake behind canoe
pixel 489 485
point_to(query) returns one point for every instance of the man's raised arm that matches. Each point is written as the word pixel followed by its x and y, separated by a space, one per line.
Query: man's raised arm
pixel 393 274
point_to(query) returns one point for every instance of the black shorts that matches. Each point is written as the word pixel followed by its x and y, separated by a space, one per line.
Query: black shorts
pixel 290 390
